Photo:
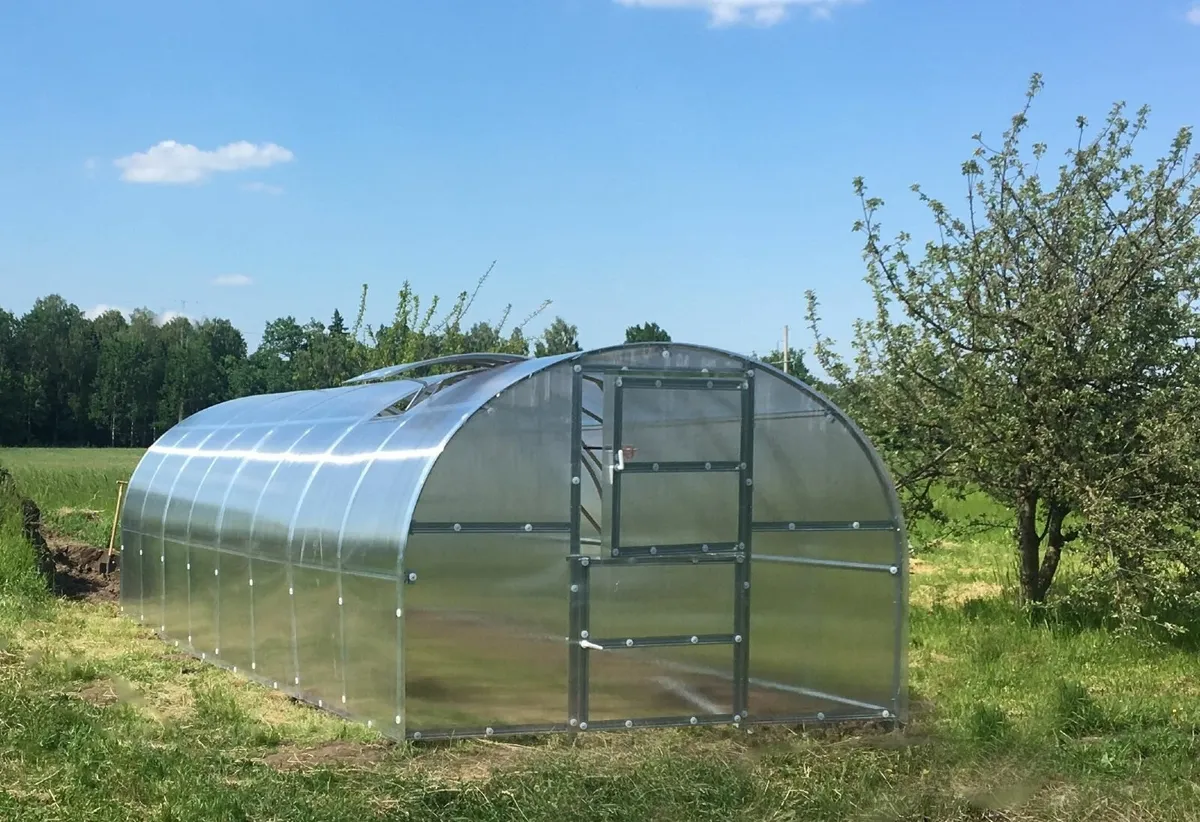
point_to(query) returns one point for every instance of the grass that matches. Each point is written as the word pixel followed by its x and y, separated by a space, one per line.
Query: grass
pixel 1011 721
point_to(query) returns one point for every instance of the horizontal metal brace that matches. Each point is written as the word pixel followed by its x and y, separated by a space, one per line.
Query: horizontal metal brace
pixel 666 371
pixel 820 525
pixel 662 722
pixel 679 467
pixel 617 643
pixel 684 383
pixel 496 730
pixel 490 527
pixel 687 549
pixel 677 559
pixel 828 563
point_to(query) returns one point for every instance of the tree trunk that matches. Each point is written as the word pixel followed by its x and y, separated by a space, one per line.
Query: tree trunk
pixel 1055 540
pixel 1028 546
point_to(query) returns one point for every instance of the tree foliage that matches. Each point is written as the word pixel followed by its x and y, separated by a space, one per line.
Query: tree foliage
pixel 646 332
pixel 1043 348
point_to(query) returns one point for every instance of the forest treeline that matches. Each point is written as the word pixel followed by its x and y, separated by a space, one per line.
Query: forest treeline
pixel 116 380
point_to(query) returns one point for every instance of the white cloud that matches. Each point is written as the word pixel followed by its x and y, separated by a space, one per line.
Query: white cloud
pixel 1193 15
pixel 172 162
pixel 757 12
pixel 233 280
pixel 159 319
pixel 260 187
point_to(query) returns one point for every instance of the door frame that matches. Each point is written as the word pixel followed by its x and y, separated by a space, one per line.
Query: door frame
pixel 616 381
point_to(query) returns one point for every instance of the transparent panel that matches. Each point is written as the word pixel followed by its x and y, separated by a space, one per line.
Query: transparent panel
pixel 818 631
pixel 485 626
pixel 318 520
pixel 652 356
pixel 244 409
pixel 526 430
pixel 875 547
pixel 661 600
pixel 131 573
pixel 371 632
pixel 204 610
pixel 176 620
pixel 318 636
pixel 682 424
pixel 236 617
pixel 642 683
pixel 808 466
pixel 274 655
pixel 666 509
pixel 358 401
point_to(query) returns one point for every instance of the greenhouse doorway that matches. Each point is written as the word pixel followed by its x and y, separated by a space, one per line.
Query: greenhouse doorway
pixel 660 599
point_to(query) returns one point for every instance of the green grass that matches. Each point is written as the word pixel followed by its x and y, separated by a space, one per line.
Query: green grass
pixel 1011 721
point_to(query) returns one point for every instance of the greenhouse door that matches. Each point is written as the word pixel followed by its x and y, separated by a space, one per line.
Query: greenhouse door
pixel 660 606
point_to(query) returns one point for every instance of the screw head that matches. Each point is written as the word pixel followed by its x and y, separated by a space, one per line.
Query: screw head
pixel 855 525
pixel 584 561
pixel 574 589
pixel 749 481
pixel 885 713
pixel 457 526
pixel 573 722
pixel 577 368
pixel 584 634
pixel 708 384
pixel 398 719
pixel 749 372
pixel 574 480
pixel 583 726
pixel 693 720
pixel 416 734
pixel 695 639
pixel 658 383
pixel 737 638
pixel 821 716
pixel 412 576
pixel 399 612
pixel 654 467
pixel 528 527
pixel 488 731
pixel 629 643
pixel 619 382
pixel 616 552
pixel 708 466
pixel 628 723
pixel 746 586
pixel 653 550
pixel 791 526
pixel 893 570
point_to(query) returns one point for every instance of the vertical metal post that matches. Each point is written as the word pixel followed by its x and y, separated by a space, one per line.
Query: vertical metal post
pixel 741 594
pixel 614 508
pixel 576 616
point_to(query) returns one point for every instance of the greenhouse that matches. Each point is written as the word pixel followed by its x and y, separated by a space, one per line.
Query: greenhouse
pixel 644 535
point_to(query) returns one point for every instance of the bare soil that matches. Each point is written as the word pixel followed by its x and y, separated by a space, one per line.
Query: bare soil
pixel 83 571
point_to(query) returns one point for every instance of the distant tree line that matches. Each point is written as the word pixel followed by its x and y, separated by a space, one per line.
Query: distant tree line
pixel 113 380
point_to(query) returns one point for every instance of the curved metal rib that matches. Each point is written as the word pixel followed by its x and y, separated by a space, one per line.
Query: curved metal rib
pixel 482 360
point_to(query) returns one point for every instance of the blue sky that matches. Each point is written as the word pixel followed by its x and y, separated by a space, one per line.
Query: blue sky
pixel 682 161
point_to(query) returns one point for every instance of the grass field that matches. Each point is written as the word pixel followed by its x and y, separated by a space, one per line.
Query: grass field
pixel 98 720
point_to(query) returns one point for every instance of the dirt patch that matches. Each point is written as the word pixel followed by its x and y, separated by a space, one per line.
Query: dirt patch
pixel 83 571
pixel 90 514
pixel 102 692
pixel 330 754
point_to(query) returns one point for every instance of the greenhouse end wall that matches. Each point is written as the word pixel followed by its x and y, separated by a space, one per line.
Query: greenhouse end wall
pixel 638 536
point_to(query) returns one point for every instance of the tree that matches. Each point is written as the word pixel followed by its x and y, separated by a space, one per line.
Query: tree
pixel 795 365
pixel 646 332
pixel 560 337
pixel 1043 348
pixel 11 384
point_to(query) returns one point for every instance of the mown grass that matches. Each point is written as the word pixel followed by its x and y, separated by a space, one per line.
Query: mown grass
pixel 1011 720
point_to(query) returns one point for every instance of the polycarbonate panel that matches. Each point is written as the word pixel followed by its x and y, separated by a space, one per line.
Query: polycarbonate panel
pixel 318 636
pixel 874 547
pixel 527 431
pixel 644 683
pixel 274 654
pixel 808 465
pixel 824 631
pixel 204 606
pixel 485 630
pixel 661 600
pixel 358 401
pixel 650 356
pixel 371 629
pixel 207 499
pixel 682 424
pixel 274 406
pixel 666 509
pixel 176 619
pixel 236 614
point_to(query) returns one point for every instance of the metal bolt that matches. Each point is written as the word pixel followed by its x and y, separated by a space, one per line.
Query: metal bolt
pixel 254 666
pixel 653 550
pixel 398 719
pixel 216 572
pixel 320 703
pixel 577 368
pixel 749 481
pixel 398 612
pixel 619 383
pixel 251 583
pixel 162 558
pixel 628 723
pixel 488 731
pixel 708 466
pixel 750 372
pixel 708 384
pixel 584 561
pixel 821 716
pixel 584 634
pixel 886 713
pixel 693 720
pixel 297 680
pixel 528 527
pixel 745 586
pixel 457 527
pixel 189 566
pixel 574 480
pixel 574 589
pixel 741 557
pixel 737 637
pixel 583 726
pixel 339 600
pixel 417 735
pixel 573 722
pixel 616 552
pixel 742 466
pixel 658 383
pixel 704 548
pixel 412 576
pixel 654 466
pixel 189 639
pixel 791 526
pixel 666 354
pixel 216 651
pixel 695 639
pixel 854 525
pixel 291 592
pixel 893 570
pixel 745 385
pixel 629 643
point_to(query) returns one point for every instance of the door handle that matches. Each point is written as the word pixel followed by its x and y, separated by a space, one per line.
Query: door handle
pixel 583 643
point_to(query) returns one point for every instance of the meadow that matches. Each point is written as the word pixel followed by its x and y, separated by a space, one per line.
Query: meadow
pixel 1013 719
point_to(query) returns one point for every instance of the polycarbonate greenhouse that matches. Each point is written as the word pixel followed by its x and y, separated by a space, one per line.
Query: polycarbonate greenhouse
pixel 643 535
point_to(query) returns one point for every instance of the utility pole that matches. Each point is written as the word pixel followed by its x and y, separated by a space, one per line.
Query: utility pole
pixel 787 352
